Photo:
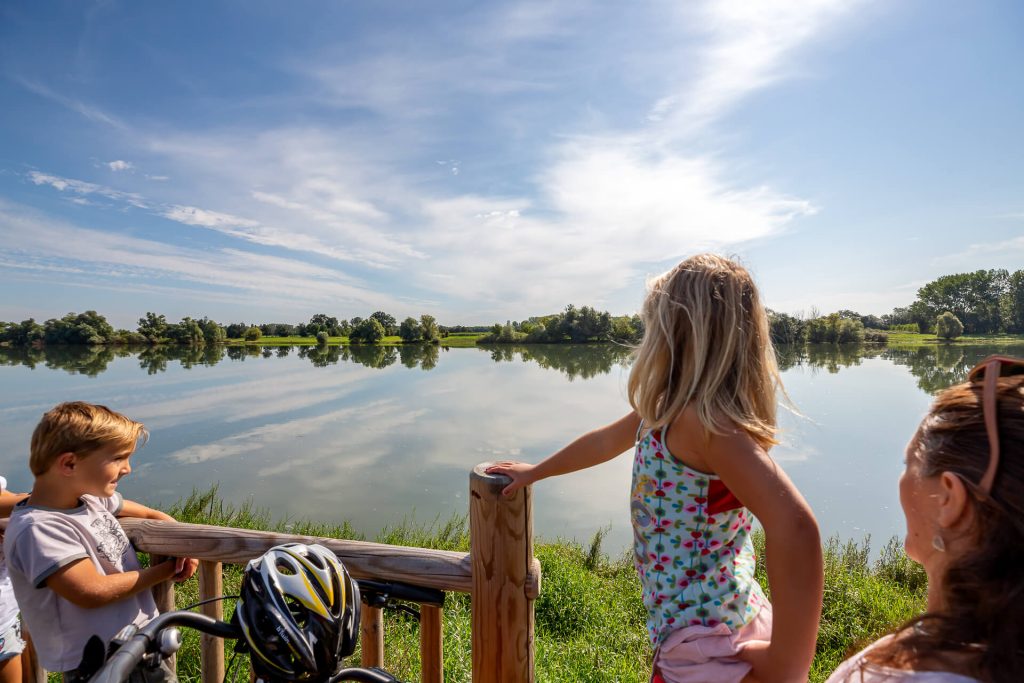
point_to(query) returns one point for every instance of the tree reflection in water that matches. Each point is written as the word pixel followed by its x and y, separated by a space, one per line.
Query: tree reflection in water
pixel 935 366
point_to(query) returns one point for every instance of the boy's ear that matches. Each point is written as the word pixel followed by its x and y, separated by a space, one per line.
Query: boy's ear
pixel 65 463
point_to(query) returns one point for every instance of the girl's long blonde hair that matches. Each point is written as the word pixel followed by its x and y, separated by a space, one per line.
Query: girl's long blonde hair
pixel 706 344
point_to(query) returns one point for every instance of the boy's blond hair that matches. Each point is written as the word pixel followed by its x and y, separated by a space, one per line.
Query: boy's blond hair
pixel 81 428
pixel 706 344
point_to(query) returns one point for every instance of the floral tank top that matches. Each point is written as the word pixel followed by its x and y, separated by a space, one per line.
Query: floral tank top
pixel 691 546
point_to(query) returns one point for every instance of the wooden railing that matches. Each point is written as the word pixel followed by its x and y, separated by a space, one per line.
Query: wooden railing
pixel 499 572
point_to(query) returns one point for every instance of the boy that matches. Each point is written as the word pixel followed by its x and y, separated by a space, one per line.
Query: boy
pixel 75 573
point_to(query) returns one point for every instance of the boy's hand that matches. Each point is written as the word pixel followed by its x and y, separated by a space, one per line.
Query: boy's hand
pixel 184 568
pixel 521 474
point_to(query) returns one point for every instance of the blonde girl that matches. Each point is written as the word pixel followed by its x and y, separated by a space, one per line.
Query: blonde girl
pixel 703 392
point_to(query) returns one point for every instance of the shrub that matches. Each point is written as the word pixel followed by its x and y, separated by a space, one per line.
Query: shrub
pixel 321 338
pixel 948 326
pixel 253 334
pixel 876 336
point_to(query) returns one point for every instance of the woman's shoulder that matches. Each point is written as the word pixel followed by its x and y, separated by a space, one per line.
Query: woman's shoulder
pixel 857 669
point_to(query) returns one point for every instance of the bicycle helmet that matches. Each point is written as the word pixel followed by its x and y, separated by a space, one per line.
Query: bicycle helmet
pixel 298 611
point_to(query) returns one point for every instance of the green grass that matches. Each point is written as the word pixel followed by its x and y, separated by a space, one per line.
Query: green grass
pixel 905 339
pixel 589 618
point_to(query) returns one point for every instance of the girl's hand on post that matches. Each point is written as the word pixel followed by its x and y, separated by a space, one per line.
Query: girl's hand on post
pixel 521 474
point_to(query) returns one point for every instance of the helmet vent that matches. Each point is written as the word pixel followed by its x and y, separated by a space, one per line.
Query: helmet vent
pixel 298 611
pixel 285 567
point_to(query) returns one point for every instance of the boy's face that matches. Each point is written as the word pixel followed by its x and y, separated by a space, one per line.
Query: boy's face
pixel 99 472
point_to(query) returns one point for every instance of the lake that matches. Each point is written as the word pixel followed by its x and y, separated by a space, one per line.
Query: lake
pixel 380 435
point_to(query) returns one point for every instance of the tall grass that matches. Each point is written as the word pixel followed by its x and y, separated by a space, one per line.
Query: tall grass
pixel 589 617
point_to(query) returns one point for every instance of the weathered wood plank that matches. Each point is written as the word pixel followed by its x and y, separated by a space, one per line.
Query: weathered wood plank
pixel 442 569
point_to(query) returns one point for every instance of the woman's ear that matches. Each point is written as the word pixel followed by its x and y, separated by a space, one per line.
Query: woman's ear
pixel 953 501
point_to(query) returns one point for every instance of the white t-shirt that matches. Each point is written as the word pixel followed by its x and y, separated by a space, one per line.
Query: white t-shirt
pixel 850 671
pixel 39 542
pixel 8 605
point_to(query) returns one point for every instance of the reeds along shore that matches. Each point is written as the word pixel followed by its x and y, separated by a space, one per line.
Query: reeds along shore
pixel 589 616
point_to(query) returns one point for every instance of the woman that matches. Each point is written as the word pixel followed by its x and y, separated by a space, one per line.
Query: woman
pixel 963 497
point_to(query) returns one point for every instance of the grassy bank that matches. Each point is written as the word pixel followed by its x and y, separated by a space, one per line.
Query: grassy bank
pixel 589 617
pixel 904 339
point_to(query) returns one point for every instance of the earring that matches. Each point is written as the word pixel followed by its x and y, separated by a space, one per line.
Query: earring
pixel 938 543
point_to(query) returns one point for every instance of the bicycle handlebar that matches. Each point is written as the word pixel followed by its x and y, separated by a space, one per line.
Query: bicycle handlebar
pixel 120 665
pixel 126 658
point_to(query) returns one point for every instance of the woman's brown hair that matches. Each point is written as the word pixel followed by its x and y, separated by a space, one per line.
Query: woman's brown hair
pixel 980 631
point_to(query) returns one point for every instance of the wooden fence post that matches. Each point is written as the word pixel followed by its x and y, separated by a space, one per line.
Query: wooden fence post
pixel 163 596
pixel 211 585
pixel 371 637
pixel 501 553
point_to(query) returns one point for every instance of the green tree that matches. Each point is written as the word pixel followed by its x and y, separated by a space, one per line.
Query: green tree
pixel 153 326
pixel 1011 304
pixel 213 333
pixel 948 326
pixel 410 330
pixel 386 321
pixel 187 333
pixel 78 328
pixel 368 331
pixel 321 338
pixel 252 334
pixel 428 326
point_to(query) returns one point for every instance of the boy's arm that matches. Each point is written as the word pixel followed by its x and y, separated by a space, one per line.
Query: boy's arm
pixel 593 448
pixel 129 508
pixel 793 555
pixel 80 584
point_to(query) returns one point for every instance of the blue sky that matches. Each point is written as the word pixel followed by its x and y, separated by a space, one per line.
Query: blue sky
pixel 265 161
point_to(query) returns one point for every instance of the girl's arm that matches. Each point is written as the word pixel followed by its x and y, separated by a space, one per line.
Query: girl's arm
pixel 8 500
pixel 793 550
pixel 593 448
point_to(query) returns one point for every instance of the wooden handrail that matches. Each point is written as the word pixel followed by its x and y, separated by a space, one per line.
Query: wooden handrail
pixel 445 570
pixel 500 573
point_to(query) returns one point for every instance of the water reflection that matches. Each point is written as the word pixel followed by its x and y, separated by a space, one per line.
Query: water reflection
pixel 935 366
pixel 573 360
pixel 357 433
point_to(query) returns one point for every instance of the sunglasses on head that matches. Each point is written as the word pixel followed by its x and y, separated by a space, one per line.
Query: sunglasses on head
pixel 990 370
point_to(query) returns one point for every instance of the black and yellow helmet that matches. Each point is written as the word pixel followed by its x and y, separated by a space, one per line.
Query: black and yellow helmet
pixel 298 611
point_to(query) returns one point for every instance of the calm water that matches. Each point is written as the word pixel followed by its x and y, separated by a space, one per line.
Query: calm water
pixel 378 435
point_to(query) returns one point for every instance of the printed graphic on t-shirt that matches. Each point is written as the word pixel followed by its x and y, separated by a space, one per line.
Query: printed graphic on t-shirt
pixel 110 539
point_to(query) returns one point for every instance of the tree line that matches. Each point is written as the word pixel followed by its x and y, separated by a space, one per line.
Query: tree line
pixel 982 302
pixel 92 329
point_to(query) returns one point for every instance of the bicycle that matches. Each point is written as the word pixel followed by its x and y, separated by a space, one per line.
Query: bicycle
pixel 134 647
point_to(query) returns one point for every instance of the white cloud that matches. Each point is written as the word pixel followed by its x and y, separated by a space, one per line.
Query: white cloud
pixel 748 47
pixel 50 243
pixel 82 187
pixel 190 215
pixel 120 165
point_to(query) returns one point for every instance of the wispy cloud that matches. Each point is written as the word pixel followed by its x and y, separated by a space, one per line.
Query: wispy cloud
pixel 82 187
pixel 120 165
pixel 87 110
pixel 43 242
